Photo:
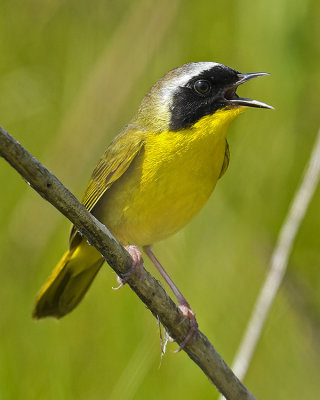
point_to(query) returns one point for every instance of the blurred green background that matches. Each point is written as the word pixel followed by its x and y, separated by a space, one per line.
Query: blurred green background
pixel 72 73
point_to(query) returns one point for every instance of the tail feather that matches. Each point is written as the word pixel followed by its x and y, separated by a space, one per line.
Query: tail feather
pixel 68 282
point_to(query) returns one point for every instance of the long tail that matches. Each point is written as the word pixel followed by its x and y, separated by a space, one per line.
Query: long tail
pixel 68 282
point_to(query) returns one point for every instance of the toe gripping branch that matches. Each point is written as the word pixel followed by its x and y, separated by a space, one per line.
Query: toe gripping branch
pixel 137 268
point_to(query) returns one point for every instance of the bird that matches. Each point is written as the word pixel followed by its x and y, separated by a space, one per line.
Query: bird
pixel 154 177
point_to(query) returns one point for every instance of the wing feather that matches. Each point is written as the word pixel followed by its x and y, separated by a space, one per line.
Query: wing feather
pixel 225 161
pixel 112 165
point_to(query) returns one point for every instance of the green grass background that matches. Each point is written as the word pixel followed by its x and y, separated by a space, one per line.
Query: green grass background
pixel 72 74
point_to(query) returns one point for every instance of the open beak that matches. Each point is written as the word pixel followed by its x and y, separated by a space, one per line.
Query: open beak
pixel 232 97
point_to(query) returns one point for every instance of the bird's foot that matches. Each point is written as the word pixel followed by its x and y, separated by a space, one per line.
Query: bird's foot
pixel 191 316
pixel 183 304
pixel 136 267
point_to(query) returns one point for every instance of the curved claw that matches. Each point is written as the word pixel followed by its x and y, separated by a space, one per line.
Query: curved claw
pixel 121 282
pixel 137 263
pixel 193 331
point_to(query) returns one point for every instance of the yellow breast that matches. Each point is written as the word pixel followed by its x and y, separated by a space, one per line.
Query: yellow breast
pixel 168 182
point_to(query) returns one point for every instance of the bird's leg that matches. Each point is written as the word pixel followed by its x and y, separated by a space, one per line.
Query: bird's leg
pixel 137 263
pixel 183 304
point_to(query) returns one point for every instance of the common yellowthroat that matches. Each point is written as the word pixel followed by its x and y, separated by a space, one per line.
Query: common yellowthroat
pixel 155 176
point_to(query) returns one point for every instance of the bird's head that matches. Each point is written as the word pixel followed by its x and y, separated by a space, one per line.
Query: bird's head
pixel 187 93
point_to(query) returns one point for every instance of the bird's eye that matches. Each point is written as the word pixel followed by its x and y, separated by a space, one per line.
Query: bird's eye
pixel 202 86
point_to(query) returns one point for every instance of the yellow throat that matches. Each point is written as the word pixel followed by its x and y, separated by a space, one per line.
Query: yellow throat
pixel 168 182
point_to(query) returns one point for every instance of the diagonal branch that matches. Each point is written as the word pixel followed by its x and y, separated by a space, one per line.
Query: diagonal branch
pixel 279 262
pixel 147 288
